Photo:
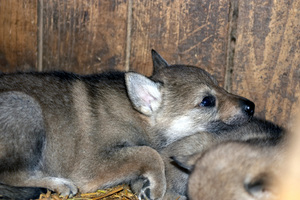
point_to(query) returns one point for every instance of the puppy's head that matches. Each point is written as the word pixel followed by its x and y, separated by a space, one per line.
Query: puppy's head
pixel 182 100
pixel 193 101
pixel 233 170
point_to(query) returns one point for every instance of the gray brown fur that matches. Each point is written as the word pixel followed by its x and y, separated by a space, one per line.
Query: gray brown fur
pixel 64 131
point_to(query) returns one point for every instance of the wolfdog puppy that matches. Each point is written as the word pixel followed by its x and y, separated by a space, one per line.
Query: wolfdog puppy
pixel 65 131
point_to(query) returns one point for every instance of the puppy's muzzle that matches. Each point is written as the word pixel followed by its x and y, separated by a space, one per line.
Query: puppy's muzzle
pixel 242 113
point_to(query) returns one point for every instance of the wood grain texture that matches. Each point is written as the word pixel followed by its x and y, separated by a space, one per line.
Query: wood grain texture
pixel 257 49
pixel 18 26
pixel 267 57
pixel 84 36
pixel 188 32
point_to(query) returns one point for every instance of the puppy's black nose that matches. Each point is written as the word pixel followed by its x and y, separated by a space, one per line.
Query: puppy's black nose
pixel 248 107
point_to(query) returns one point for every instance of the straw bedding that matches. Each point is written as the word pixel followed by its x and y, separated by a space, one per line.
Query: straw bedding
pixel 121 192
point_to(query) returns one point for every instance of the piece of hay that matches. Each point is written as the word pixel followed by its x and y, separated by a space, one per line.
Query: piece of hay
pixel 116 193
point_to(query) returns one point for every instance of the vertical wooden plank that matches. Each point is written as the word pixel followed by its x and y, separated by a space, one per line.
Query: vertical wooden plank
pixel 84 36
pixel 40 24
pixel 267 58
pixel 18 26
pixel 189 32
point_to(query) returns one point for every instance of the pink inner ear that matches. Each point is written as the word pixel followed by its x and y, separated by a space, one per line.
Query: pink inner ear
pixel 146 97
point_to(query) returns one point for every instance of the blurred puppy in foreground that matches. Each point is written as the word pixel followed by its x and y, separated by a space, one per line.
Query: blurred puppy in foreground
pixel 237 171
pixel 221 157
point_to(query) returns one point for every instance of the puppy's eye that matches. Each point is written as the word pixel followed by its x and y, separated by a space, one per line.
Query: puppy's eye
pixel 208 101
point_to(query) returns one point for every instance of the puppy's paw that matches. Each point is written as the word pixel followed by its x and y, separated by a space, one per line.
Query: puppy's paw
pixel 151 190
pixel 145 192
pixel 65 187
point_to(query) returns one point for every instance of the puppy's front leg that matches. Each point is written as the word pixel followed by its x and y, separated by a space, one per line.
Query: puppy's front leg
pixel 126 164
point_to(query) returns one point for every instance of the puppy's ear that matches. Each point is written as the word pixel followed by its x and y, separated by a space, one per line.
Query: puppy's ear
pixel 145 94
pixel 182 161
pixel 158 61
pixel 187 161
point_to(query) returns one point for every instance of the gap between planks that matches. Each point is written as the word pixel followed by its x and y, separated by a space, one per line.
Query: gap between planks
pixel 128 36
pixel 231 43
pixel 40 16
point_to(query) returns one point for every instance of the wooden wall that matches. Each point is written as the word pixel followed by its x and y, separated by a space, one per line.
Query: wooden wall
pixel 252 47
